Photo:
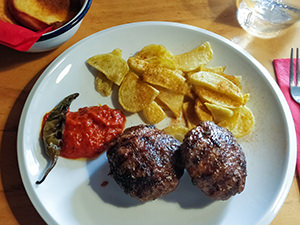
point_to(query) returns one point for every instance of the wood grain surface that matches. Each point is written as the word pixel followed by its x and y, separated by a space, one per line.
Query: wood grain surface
pixel 19 71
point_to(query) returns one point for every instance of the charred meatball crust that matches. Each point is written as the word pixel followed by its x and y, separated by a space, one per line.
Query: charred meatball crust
pixel 214 160
pixel 145 162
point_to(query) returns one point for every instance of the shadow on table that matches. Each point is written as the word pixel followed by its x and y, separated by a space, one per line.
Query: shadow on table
pixel 16 58
pixel 225 11
pixel 14 190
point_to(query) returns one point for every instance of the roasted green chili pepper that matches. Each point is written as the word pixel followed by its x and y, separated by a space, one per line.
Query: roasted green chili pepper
pixel 53 132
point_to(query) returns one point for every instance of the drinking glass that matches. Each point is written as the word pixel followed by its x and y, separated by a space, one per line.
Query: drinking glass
pixel 267 18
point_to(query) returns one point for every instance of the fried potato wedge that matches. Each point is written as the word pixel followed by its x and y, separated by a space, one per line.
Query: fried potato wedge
pixel 177 131
pixel 202 112
pixel 137 65
pixel 218 112
pixel 190 116
pixel 164 77
pixel 153 113
pixel 158 84
pixel 216 69
pixel 193 59
pixel 157 55
pixel 158 75
pixel 103 85
pixel 220 70
pixel 117 52
pixel 134 94
pixel 111 65
pixel 246 98
pixel 234 79
pixel 246 122
pixel 216 83
pixel 172 100
pixel 241 123
pixel 207 95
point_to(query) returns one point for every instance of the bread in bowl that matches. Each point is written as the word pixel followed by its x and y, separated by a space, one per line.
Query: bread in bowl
pixel 39 14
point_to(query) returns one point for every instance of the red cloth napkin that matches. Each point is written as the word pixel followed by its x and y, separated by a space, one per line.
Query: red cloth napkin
pixel 18 37
pixel 282 67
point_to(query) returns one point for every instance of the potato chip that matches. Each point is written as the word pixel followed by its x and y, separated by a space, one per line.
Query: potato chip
pixel 172 100
pixel 111 65
pixel 191 60
pixel 202 112
pixel 157 55
pixel 190 115
pixel 103 85
pixel 216 83
pixel 153 113
pixel 241 123
pixel 218 112
pixel 177 131
pixel 134 94
pixel 158 75
pixel 207 95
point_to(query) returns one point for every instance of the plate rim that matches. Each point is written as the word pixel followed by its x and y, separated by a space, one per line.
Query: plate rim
pixel 292 143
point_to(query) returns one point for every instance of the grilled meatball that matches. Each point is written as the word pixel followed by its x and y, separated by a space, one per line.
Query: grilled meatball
pixel 214 160
pixel 145 162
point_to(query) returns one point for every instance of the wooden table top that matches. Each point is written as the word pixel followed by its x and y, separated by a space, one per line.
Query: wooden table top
pixel 19 71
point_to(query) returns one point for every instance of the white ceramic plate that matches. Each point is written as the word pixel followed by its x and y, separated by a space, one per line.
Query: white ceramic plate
pixel 72 193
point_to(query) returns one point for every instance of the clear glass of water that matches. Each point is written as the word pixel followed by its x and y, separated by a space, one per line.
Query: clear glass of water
pixel 266 18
